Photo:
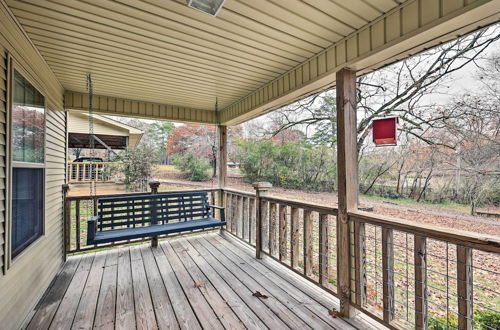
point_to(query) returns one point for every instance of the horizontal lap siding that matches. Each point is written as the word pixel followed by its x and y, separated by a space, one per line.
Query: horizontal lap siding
pixel 3 90
pixel 28 277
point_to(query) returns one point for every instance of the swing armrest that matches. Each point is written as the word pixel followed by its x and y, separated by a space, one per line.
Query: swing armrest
pixel 92 229
pixel 222 211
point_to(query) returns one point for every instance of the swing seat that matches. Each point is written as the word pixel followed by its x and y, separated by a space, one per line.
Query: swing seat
pixel 141 216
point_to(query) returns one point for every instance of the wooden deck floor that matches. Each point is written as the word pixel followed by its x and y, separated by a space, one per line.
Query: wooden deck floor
pixel 204 281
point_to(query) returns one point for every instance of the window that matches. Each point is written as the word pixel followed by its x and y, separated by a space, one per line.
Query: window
pixel 28 162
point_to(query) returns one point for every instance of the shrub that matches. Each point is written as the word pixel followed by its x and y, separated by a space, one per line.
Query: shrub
pixel 483 320
pixel 295 165
pixel 137 166
pixel 487 320
pixel 195 168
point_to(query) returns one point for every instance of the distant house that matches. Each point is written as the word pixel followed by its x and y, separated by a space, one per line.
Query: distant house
pixel 109 133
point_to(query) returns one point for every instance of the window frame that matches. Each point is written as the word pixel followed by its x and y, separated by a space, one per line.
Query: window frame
pixel 12 66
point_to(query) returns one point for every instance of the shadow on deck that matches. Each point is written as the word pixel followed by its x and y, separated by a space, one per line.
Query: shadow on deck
pixel 204 281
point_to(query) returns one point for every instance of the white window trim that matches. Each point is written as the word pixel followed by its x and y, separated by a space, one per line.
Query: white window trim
pixel 9 262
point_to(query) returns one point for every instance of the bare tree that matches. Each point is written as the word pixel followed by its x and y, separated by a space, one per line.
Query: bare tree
pixel 401 89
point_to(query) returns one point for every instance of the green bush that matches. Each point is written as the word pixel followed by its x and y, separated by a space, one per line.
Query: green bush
pixel 487 320
pixel 295 165
pixel 195 168
pixel 483 320
pixel 137 166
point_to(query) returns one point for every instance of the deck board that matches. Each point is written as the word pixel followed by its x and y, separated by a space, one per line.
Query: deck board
pixel 125 309
pixel 140 287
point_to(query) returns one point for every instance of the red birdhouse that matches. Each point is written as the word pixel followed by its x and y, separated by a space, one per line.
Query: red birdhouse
pixel 384 131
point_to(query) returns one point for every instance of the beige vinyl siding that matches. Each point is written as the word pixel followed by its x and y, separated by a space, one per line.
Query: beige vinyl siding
pixel 3 100
pixel 79 123
pixel 24 282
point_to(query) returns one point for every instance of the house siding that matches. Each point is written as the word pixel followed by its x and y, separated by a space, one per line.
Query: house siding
pixel 28 276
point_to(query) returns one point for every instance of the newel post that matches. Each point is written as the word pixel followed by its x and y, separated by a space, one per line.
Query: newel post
pixel 261 190
pixel 154 185
pixel 347 158
pixel 67 220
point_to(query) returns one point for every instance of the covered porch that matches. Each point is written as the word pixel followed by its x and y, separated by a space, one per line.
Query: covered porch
pixel 277 263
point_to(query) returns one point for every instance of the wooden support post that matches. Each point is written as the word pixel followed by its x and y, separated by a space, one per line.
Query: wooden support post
pixel 154 185
pixel 388 274
pixel 67 221
pixel 222 162
pixel 282 232
pixel 324 249
pixel 261 190
pixel 273 215
pixel 308 239
pixel 294 233
pixel 360 259
pixel 464 288
pixel 420 262
pixel 347 179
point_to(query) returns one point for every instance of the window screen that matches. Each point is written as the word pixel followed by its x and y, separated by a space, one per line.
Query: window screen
pixel 27 207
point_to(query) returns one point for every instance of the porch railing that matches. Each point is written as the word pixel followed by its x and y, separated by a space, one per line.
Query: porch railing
pixel 403 274
pixel 86 172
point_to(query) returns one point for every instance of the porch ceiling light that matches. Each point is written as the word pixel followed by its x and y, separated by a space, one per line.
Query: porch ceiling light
pixel 210 7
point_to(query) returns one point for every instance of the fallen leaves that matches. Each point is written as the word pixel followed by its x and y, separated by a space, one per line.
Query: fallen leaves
pixel 259 295
pixel 334 313
pixel 200 284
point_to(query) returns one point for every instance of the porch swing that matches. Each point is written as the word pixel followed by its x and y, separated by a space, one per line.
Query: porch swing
pixel 148 215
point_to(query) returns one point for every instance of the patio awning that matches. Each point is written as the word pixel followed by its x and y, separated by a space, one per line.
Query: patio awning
pixel 161 59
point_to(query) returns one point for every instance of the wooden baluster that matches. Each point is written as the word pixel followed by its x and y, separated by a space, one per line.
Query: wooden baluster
pixel 261 189
pixel 240 217
pixel 388 273
pixel 360 262
pixel 246 218
pixel 229 224
pixel 420 262
pixel 78 224
pixel 294 233
pixel 265 225
pixel 253 220
pixel 308 240
pixel 235 215
pixel 464 288
pixel 154 185
pixel 273 243
pixel 282 232
pixel 324 249
pixel 67 220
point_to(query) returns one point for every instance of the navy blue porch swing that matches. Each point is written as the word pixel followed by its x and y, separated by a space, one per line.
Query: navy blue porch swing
pixel 140 216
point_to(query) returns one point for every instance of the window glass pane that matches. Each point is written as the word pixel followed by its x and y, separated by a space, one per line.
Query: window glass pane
pixel 27 207
pixel 28 122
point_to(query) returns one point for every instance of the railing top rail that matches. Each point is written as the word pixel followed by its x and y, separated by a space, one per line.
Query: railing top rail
pixel 291 202
pixel 88 197
pixel 324 209
pixel 461 237
pixel 92 163
pixel 240 192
